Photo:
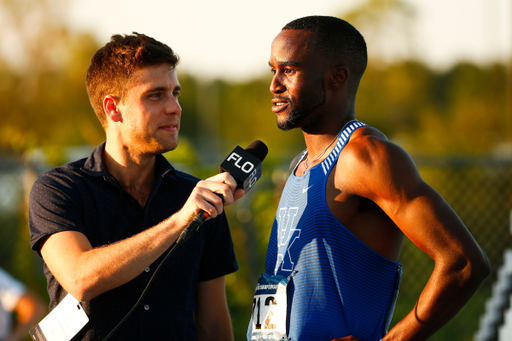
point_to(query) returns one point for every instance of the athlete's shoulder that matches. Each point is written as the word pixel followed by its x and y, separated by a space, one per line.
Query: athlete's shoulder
pixel 366 145
pixel 370 160
pixel 369 145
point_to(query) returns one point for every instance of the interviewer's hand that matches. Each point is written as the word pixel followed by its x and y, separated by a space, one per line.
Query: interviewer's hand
pixel 347 338
pixel 231 182
pixel 210 196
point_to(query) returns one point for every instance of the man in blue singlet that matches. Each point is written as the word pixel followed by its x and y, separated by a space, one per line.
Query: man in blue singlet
pixel 332 269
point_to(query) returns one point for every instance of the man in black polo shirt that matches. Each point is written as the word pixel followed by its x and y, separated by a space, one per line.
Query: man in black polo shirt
pixel 103 224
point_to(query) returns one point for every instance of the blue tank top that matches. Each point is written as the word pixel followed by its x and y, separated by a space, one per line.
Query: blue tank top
pixel 339 286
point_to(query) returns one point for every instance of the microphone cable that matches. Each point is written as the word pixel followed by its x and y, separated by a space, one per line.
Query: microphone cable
pixel 178 242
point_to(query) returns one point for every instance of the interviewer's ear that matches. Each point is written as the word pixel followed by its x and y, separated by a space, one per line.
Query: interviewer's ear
pixel 339 76
pixel 110 106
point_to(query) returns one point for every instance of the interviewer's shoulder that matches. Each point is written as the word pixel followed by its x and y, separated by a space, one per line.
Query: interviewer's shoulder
pixel 62 175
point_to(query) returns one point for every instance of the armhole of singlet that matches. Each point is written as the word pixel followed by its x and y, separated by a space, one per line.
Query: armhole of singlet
pixel 295 162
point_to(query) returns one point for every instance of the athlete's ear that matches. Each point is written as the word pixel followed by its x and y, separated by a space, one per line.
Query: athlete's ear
pixel 111 108
pixel 339 76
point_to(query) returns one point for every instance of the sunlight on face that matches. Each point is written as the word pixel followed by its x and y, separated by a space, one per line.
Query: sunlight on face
pixel 151 112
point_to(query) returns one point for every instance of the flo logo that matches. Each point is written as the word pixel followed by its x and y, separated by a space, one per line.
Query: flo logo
pixel 246 167
pixel 287 235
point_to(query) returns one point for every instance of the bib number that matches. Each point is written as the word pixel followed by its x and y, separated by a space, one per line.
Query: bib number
pixel 269 307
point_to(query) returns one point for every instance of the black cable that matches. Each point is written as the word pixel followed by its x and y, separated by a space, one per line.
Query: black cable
pixel 184 236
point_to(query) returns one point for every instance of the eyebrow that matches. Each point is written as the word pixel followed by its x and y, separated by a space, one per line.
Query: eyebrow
pixel 162 88
pixel 286 64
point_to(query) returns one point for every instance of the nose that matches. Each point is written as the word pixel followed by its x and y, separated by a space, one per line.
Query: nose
pixel 276 85
pixel 173 106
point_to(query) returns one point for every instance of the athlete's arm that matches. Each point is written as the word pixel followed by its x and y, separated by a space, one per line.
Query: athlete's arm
pixel 388 176
pixel 212 314
pixel 86 272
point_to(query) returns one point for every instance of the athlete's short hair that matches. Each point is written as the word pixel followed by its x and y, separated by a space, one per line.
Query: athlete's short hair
pixel 336 39
pixel 113 66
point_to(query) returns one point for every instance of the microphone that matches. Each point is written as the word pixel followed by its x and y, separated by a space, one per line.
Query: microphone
pixel 244 165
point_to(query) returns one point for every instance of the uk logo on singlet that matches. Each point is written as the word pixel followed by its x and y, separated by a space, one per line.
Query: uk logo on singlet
pixel 287 235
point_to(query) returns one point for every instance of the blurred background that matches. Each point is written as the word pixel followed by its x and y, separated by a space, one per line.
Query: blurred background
pixel 439 84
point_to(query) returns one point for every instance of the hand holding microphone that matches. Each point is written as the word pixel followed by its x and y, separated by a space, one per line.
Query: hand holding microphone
pixel 244 166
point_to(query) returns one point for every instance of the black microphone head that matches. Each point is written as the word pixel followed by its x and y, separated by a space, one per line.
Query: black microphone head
pixel 258 149
pixel 245 164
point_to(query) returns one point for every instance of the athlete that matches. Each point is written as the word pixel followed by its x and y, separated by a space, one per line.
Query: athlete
pixel 332 270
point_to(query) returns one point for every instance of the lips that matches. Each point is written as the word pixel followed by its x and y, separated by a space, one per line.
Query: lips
pixel 172 127
pixel 279 104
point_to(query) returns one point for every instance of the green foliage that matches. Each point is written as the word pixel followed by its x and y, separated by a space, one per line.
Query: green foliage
pixel 428 113
pixel 45 107
pixel 462 111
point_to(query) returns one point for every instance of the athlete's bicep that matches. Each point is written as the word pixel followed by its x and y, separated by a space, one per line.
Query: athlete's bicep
pixel 393 182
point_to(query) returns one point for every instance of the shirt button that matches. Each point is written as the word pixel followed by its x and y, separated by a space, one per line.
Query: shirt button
pixel 147 269
pixel 146 307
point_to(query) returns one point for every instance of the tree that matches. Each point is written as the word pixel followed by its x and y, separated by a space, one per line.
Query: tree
pixel 42 94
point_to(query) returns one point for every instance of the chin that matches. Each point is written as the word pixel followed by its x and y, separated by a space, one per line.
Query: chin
pixel 288 124
pixel 285 126
pixel 166 149
pixel 169 144
pixel 161 148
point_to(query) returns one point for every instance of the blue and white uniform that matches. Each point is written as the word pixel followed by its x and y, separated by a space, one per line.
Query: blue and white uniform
pixel 338 285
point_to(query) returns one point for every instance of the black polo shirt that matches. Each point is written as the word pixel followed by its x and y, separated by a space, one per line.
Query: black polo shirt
pixel 82 196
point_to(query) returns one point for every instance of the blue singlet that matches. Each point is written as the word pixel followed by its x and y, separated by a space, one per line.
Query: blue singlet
pixel 339 286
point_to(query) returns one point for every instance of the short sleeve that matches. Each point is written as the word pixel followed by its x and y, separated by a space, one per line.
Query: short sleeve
pixel 54 206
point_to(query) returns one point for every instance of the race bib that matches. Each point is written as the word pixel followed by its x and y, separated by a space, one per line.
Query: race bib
pixel 269 307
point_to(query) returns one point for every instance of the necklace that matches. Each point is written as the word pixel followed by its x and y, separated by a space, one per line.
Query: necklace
pixel 306 164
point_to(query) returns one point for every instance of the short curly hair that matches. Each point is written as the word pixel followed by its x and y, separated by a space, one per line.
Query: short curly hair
pixel 336 39
pixel 114 65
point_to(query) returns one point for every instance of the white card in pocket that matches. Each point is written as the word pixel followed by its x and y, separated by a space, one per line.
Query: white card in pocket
pixel 62 323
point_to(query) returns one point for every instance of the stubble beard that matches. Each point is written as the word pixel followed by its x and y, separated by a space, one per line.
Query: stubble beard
pixel 298 114
pixel 151 145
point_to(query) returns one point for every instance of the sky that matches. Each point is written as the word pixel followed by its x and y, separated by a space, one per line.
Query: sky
pixel 231 38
